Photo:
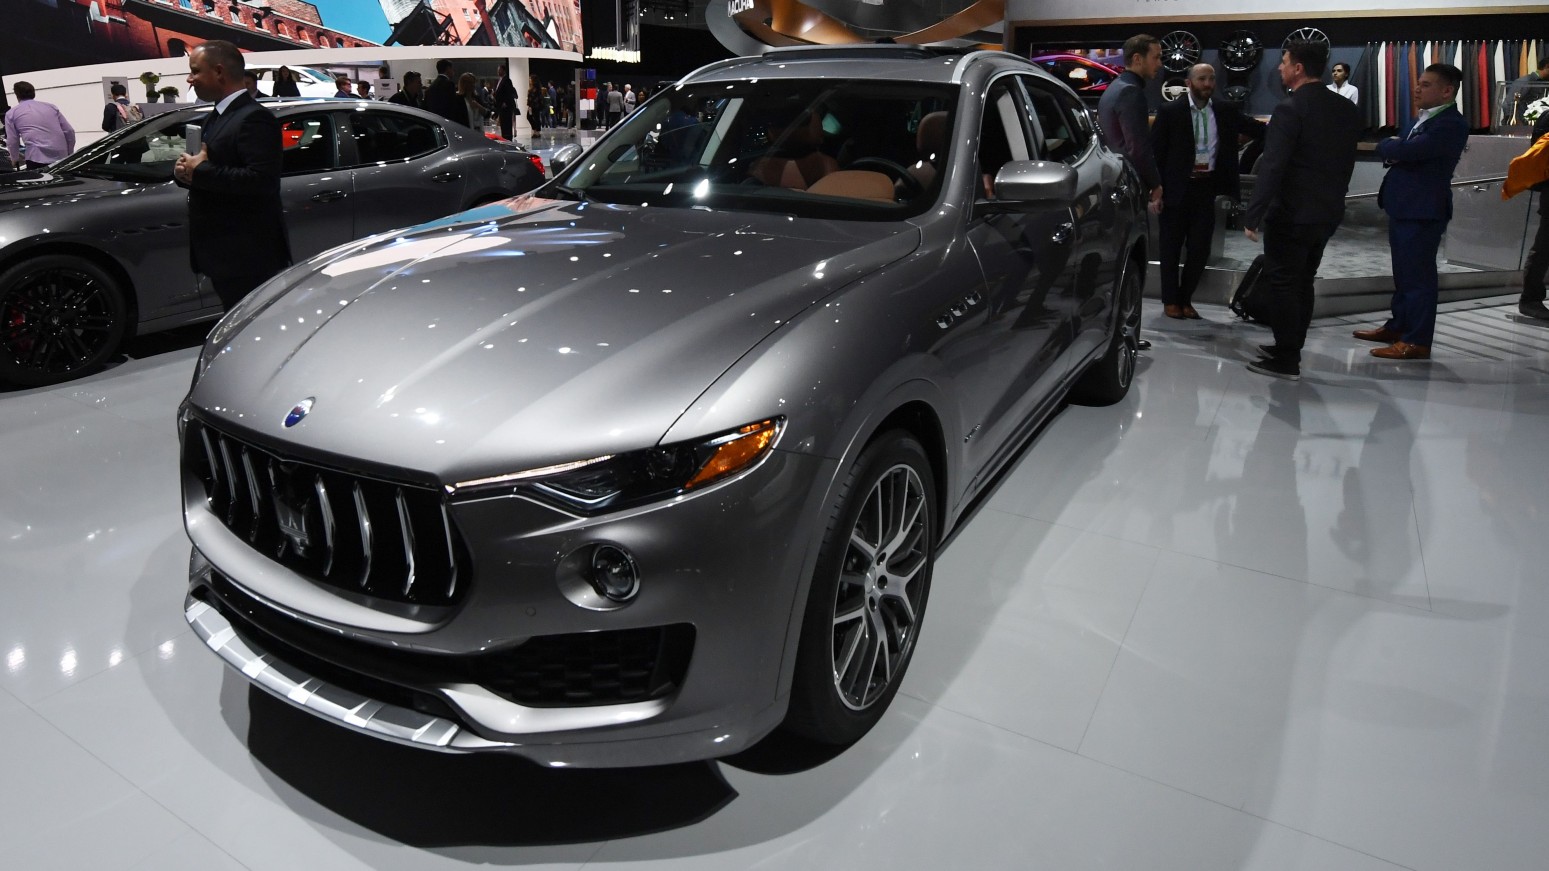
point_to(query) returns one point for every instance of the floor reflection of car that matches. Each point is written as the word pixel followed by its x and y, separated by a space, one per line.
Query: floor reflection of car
pixel 1085 76
pixel 680 478
pixel 96 248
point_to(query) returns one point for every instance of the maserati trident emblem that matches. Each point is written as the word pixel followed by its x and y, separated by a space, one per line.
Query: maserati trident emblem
pixel 302 409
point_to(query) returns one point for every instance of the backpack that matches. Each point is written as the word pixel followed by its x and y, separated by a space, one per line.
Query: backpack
pixel 1251 301
pixel 130 113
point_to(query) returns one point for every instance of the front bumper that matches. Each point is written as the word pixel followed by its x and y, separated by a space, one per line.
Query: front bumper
pixel 736 586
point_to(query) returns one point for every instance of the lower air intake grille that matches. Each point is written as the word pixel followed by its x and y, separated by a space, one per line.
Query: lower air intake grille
pixel 388 540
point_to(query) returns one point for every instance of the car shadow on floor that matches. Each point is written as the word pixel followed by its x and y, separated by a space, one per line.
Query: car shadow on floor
pixel 430 800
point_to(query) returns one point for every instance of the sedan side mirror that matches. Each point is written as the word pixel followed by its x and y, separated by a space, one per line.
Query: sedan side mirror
pixel 1036 182
pixel 565 156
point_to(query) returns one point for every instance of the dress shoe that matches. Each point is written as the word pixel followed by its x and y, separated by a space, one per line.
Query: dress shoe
pixel 1381 334
pixel 1282 369
pixel 1403 351
pixel 1173 311
pixel 1535 310
pixel 1191 314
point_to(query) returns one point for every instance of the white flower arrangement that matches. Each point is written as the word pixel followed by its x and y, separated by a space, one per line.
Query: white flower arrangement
pixel 1534 109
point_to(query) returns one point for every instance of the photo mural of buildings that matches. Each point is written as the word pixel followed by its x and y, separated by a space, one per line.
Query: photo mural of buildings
pixel 49 34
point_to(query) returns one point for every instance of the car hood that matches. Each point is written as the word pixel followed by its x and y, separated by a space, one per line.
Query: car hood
pixel 42 188
pixel 526 333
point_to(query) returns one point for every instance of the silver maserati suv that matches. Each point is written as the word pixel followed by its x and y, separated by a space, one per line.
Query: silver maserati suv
pixel 647 463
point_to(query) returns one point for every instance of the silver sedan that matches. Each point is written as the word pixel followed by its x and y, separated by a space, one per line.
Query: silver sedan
pixel 95 249
pixel 657 459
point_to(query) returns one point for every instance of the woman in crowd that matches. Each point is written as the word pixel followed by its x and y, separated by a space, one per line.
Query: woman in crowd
pixel 467 89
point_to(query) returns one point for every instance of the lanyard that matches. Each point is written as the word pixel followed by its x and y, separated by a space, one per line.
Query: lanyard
pixel 1201 136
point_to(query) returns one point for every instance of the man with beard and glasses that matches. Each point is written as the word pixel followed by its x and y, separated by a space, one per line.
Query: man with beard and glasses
pixel 1195 138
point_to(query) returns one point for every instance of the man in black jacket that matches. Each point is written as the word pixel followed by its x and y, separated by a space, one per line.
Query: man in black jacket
pixel 1123 115
pixel 1195 139
pixel 505 102
pixel 236 221
pixel 441 97
pixel 412 93
pixel 1532 302
pixel 1299 197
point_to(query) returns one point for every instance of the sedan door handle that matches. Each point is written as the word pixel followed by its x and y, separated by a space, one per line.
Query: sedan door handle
pixel 1063 233
pixel 328 196
pixel 444 177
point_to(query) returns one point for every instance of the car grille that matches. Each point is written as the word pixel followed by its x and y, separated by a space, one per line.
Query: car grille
pixel 608 667
pixel 388 540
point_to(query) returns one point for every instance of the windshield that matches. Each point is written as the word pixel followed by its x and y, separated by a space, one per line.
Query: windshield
pixel 144 152
pixel 816 148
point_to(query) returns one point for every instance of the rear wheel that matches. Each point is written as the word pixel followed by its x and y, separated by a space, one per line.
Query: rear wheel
pixel 868 595
pixel 60 317
pixel 1108 380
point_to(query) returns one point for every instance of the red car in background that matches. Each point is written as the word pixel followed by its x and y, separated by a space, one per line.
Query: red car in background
pixel 1087 77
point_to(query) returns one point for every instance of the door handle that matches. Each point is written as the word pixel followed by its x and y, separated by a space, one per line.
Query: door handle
pixel 328 196
pixel 444 177
pixel 1063 233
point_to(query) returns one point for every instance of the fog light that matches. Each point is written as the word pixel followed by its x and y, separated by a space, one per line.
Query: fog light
pixel 613 573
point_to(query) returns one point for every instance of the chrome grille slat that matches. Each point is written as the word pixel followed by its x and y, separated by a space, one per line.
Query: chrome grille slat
pixel 327 509
pixel 231 478
pixel 297 513
pixel 365 535
pixel 209 456
pixel 451 552
pixel 408 539
pixel 252 491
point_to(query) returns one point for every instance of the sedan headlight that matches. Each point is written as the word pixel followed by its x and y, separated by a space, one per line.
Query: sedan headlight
pixel 617 481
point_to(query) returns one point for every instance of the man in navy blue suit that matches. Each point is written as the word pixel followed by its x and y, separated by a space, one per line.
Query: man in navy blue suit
pixel 1417 195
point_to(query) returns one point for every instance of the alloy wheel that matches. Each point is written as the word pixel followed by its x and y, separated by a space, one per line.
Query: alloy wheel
pixel 877 604
pixel 56 320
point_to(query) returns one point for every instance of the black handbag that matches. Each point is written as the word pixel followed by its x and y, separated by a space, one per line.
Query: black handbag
pixel 1251 299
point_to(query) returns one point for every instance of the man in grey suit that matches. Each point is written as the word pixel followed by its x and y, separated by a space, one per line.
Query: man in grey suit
pixel 1123 114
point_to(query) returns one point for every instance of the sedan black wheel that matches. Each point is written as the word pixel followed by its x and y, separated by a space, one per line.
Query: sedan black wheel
pixel 60 317
pixel 868 596
pixel 1108 380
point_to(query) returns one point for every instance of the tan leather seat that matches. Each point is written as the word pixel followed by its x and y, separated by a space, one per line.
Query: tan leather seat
pixel 795 162
pixel 857 184
pixel 931 139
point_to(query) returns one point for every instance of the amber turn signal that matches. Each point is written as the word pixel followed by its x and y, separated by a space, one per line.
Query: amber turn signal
pixel 739 450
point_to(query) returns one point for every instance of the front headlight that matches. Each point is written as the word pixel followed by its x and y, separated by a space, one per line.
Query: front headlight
pixel 245 310
pixel 617 481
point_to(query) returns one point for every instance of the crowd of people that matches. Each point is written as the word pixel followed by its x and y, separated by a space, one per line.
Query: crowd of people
pixel 1189 157
pixel 1185 160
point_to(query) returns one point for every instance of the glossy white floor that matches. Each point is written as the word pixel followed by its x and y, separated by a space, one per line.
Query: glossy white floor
pixel 1228 623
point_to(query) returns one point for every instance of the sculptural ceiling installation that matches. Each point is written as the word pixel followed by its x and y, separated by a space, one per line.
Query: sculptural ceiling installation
pixel 749 26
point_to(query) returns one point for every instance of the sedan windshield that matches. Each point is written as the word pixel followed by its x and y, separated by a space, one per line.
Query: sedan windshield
pixel 858 149
pixel 144 152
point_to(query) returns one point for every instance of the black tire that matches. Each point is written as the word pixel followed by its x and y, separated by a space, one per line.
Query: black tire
pixel 61 317
pixel 859 596
pixel 1108 380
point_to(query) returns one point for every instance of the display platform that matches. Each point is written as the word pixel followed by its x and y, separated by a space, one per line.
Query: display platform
pixel 1228 623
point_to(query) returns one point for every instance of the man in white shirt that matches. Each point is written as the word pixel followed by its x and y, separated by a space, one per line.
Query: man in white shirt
pixel 1342 85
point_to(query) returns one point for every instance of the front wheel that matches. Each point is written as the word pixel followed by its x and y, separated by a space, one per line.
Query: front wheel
pixel 60 317
pixel 1108 380
pixel 868 595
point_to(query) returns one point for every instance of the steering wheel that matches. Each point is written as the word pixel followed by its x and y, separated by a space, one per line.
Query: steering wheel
pixel 896 171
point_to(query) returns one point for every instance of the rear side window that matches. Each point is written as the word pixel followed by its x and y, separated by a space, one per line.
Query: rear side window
pixel 309 143
pixel 382 137
pixel 1063 127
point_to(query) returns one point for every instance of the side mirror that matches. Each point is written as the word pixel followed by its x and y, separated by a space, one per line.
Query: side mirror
pixel 1036 182
pixel 562 159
